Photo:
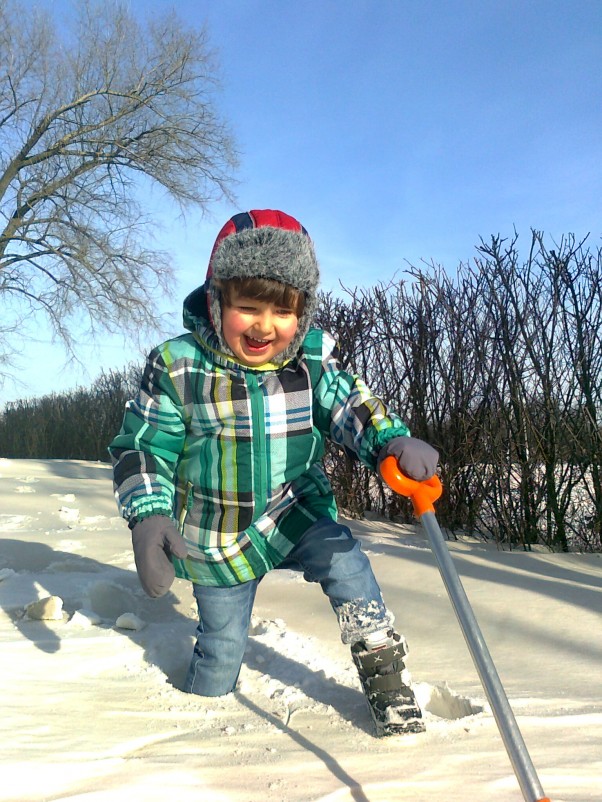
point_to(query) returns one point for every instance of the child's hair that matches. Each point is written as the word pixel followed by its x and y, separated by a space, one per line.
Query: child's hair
pixel 263 289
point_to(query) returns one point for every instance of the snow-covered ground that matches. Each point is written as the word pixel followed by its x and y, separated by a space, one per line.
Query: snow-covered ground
pixel 91 708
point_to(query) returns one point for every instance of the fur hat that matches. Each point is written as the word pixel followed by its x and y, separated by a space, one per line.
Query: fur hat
pixel 264 243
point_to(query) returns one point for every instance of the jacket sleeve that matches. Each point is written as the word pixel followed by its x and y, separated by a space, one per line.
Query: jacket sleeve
pixel 347 412
pixel 145 453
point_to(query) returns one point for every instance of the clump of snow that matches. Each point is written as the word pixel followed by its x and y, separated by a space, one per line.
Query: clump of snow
pixel 28 479
pixel 92 710
pixel 50 608
pixel 441 701
pixel 130 621
pixel 6 573
pixel 10 523
pixel 68 514
pixel 85 619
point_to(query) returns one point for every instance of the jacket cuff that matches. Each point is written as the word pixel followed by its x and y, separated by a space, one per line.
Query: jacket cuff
pixel 135 519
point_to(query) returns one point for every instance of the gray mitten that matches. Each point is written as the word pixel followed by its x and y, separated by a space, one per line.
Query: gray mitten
pixel 154 540
pixel 415 458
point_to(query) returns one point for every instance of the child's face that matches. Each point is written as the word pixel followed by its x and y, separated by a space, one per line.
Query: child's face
pixel 257 331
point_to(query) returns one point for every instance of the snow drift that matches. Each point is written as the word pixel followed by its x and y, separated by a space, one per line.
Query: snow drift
pixel 91 669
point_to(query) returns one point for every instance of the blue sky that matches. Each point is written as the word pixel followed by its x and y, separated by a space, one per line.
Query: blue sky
pixel 396 131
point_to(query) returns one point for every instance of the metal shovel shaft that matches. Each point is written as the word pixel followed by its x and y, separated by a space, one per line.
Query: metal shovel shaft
pixel 506 722
pixel 423 496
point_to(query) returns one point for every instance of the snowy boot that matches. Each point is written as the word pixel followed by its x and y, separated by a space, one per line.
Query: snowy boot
pixel 385 682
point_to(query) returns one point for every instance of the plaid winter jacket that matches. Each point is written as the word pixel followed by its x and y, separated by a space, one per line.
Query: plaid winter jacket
pixel 233 453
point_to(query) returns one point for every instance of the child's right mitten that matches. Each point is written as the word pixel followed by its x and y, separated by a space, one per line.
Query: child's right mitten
pixel 155 540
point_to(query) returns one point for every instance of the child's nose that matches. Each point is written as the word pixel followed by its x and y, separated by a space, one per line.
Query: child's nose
pixel 264 322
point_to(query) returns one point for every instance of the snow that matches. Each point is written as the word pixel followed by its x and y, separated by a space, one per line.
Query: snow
pixel 90 699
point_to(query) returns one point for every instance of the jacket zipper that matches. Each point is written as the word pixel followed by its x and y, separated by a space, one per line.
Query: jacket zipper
pixel 258 438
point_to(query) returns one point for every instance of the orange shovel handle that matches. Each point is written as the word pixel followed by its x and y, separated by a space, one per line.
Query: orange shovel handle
pixel 422 494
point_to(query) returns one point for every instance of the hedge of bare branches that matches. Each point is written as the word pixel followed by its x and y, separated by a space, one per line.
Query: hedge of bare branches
pixel 72 425
pixel 499 366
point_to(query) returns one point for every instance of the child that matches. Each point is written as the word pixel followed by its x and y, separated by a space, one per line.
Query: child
pixel 217 464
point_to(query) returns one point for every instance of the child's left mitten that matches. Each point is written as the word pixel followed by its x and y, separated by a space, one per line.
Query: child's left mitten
pixel 415 458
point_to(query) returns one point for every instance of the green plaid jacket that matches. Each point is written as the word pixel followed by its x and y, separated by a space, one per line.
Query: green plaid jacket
pixel 233 453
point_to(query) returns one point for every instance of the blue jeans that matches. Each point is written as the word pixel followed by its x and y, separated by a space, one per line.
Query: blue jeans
pixel 327 553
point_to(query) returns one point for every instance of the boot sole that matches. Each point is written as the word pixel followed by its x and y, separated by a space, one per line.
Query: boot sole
pixel 398 721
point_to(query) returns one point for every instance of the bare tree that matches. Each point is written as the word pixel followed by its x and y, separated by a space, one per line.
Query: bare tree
pixel 89 121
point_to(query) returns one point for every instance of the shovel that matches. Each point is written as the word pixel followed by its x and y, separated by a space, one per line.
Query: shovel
pixel 422 495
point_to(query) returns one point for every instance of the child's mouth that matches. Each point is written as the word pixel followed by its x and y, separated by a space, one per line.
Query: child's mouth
pixel 256 345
